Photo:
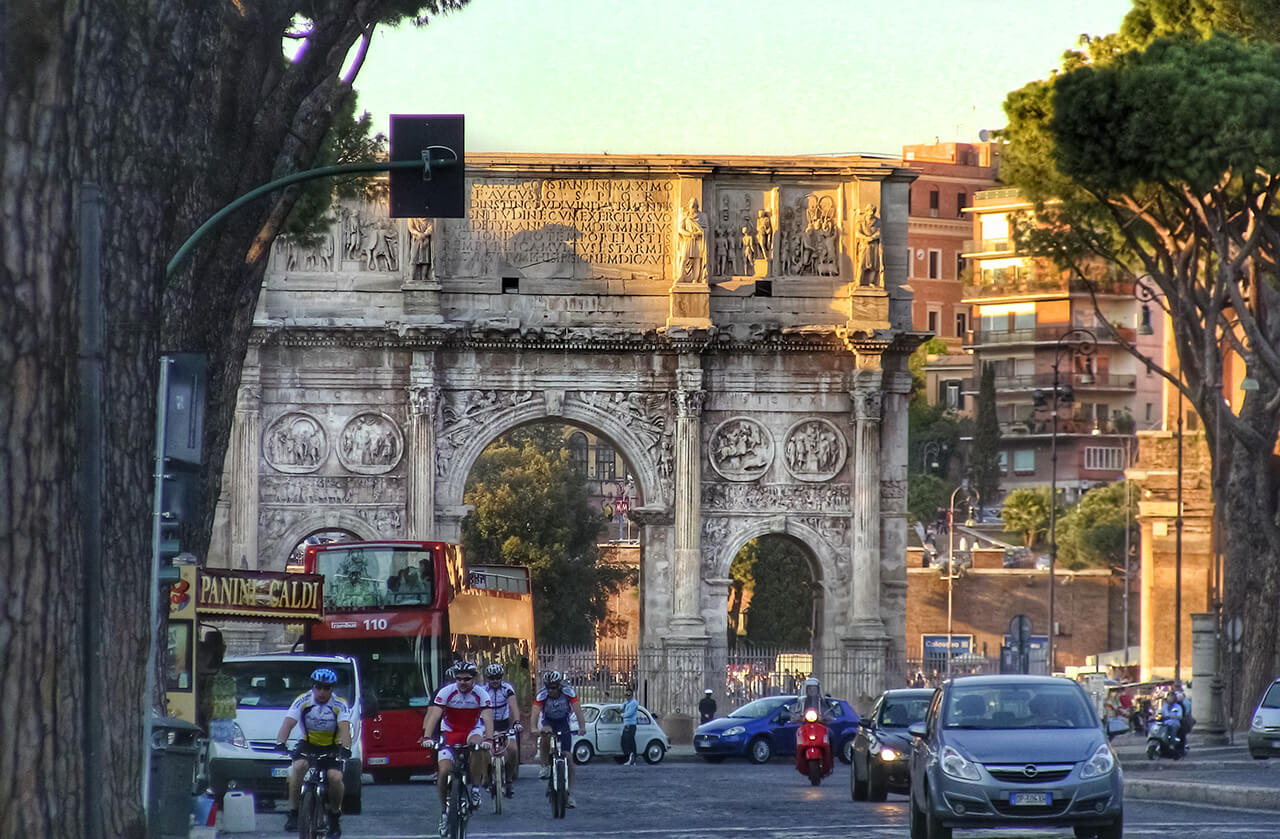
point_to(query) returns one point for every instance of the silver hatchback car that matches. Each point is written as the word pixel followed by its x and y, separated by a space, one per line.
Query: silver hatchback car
pixel 1264 729
pixel 1013 751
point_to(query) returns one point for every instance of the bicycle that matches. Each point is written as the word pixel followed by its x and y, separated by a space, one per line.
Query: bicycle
pixel 313 819
pixel 457 798
pixel 558 783
pixel 499 783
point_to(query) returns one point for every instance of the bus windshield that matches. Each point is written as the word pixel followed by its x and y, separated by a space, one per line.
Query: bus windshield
pixel 376 577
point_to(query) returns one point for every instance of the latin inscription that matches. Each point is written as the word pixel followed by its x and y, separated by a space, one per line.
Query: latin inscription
pixel 621 223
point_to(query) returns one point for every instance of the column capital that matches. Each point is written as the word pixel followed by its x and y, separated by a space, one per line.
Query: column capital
pixel 866 405
pixel 689 402
pixel 423 399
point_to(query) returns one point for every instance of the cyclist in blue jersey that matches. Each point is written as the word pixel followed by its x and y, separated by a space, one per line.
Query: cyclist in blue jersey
pixel 556 702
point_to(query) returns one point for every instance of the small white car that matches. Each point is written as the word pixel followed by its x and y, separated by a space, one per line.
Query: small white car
pixel 1264 732
pixel 604 734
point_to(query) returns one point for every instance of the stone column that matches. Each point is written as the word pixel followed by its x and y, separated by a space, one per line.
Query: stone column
pixel 424 403
pixel 685 600
pixel 246 437
pixel 866 505
pixel 893 509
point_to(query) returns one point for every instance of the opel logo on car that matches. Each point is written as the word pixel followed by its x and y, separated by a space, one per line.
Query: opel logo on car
pixel 1030 770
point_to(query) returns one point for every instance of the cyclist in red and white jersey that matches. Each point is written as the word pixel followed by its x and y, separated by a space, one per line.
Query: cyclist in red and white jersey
pixel 464 712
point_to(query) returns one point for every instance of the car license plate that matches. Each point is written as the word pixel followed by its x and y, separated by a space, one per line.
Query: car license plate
pixel 1030 799
pixel 279 771
pixel 379 761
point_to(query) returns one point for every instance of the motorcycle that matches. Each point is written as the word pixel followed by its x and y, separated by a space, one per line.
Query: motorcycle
pixel 1164 738
pixel 813 748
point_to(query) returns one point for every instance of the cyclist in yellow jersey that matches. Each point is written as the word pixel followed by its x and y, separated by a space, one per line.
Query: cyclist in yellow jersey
pixel 326 734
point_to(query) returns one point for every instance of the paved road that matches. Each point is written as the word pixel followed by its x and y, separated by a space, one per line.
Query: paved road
pixel 724 801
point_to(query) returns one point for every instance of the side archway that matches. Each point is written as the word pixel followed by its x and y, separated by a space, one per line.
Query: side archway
pixel 320 520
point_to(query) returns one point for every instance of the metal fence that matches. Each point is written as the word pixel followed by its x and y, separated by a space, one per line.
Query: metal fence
pixel 740 675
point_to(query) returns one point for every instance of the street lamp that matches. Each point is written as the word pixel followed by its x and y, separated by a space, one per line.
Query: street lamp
pixel 971 498
pixel 1082 342
pixel 930 464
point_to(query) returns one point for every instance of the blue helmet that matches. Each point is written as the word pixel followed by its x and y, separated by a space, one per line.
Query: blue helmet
pixel 324 676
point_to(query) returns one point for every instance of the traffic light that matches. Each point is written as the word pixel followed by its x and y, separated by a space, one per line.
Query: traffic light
pixel 180 428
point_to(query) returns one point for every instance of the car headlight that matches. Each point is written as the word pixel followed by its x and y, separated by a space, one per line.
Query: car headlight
pixel 1257 721
pixel 232 734
pixel 1102 762
pixel 887 753
pixel 958 766
pixel 734 732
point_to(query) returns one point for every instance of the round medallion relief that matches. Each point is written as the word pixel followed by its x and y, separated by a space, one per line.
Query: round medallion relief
pixel 370 444
pixel 295 443
pixel 741 449
pixel 814 450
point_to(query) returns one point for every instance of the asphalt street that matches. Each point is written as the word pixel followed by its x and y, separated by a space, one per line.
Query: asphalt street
pixel 693 800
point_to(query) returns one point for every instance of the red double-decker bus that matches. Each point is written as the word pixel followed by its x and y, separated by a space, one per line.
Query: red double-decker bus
pixel 404 609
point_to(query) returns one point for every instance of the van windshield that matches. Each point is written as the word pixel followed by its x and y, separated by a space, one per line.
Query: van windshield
pixel 276 683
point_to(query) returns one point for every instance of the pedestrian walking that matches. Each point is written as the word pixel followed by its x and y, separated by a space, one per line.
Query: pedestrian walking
pixel 707 707
pixel 629 706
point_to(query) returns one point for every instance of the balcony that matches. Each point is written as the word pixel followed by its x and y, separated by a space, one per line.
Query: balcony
pixel 1042 425
pixel 1044 335
pixel 1042 381
pixel 986 247
pixel 1007 195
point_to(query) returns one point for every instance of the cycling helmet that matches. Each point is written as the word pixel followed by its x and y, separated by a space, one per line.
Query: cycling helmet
pixel 450 673
pixel 552 677
pixel 465 668
pixel 494 671
pixel 324 676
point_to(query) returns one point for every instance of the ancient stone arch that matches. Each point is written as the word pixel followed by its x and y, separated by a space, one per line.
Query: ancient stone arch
pixel 711 317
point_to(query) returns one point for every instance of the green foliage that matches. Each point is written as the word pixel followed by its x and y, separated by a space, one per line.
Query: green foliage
pixel 531 509
pixel 984 467
pixel 925 495
pixel 916 362
pixel 1091 534
pixel 781 610
pixel 1026 511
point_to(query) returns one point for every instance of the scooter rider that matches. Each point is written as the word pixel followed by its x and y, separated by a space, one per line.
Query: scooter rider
pixel 1171 708
pixel 812 698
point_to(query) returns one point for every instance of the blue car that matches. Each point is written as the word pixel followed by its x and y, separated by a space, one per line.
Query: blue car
pixel 763 728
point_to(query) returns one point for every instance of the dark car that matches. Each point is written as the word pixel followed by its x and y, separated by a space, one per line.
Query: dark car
pixel 763 728
pixel 1012 752
pixel 882 747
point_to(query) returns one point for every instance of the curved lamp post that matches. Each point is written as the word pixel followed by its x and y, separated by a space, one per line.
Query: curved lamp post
pixel 1078 341
pixel 930 455
pixel 971 497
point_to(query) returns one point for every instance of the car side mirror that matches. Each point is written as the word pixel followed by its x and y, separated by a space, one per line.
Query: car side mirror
pixel 917 729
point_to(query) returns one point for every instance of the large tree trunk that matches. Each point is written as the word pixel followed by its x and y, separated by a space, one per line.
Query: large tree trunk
pixel 172 110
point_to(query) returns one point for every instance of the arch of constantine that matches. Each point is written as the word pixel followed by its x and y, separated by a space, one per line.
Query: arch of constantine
pixel 738 328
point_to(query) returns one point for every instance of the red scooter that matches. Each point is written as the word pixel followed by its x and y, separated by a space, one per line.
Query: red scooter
pixel 813 748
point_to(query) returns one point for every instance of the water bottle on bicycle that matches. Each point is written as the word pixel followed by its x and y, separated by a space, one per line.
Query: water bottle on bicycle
pixel 558 708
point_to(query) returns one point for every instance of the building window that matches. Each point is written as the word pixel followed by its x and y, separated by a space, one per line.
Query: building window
pixel 1149 409
pixel 1108 459
pixel 962 201
pixel 935 264
pixel 962 324
pixel 934 318
pixel 1024 461
pixel 933 203
pixel 606 462
pixel 959 266
pixel 955 400
pixel 911 264
pixel 1004 463
pixel 578 452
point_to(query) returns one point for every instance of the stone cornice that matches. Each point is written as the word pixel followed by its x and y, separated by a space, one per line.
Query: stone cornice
pixel 671 165
pixel 579 339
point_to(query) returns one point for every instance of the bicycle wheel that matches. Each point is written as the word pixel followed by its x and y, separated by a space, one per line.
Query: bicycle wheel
pixel 561 774
pixel 310 813
pixel 499 782
pixel 459 805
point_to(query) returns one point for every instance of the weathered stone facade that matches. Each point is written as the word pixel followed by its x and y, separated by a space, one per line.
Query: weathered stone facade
pixel 738 328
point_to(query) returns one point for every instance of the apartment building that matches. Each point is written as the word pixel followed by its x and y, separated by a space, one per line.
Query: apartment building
pixel 1022 309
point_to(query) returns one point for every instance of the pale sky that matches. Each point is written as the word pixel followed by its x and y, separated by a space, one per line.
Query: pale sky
pixel 719 77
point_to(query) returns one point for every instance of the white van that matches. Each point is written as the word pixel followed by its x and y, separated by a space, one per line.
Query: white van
pixel 244 752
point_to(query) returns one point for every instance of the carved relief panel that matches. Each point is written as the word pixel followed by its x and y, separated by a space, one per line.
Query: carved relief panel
pixel 810 232
pixel 370 444
pixel 814 450
pixel 741 449
pixel 295 443
pixel 743 233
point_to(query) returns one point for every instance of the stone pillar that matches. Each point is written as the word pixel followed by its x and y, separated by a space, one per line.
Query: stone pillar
pixel 246 437
pixel 866 505
pixel 893 510
pixel 424 403
pixel 686 589
pixel 1206 689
